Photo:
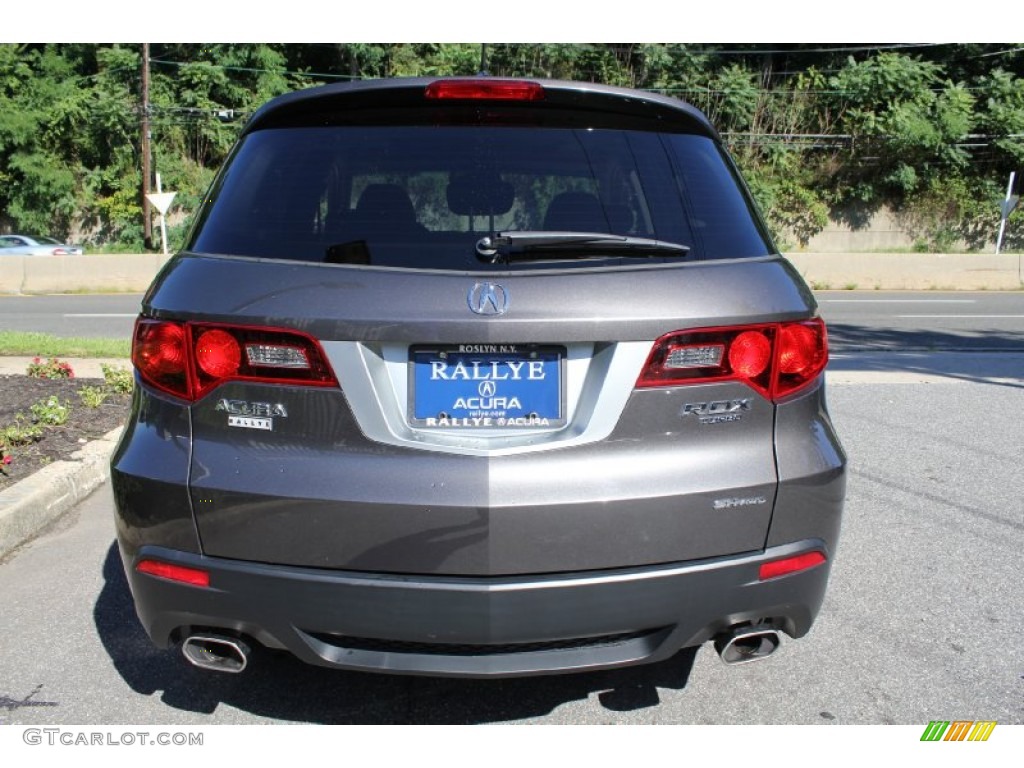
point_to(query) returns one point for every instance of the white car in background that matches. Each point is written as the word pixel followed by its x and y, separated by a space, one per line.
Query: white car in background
pixel 23 245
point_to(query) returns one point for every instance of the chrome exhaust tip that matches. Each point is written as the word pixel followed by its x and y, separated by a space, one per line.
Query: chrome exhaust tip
pixel 743 644
pixel 216 652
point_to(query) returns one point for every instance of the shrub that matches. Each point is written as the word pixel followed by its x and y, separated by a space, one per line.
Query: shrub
pixel 118 379
pixel 92 397
pixel 50 411
pixel 51 369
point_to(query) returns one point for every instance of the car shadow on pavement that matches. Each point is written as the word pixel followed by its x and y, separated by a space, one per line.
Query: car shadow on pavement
pixel 992 359
pixel 277 685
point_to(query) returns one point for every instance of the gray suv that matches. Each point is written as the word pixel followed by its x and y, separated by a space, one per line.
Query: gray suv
pixel 478 377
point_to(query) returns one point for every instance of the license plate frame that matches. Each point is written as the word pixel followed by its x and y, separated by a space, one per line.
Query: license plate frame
pixel 487 386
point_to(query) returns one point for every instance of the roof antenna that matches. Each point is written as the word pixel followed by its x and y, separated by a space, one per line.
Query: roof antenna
pixel 483 60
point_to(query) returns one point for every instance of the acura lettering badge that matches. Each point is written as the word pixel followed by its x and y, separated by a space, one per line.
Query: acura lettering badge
pixel 488 299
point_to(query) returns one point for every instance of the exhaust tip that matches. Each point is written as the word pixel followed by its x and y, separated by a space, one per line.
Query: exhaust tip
pixel 216 652
pixel 745 644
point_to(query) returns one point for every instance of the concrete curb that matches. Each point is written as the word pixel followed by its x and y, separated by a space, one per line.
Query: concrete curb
pixel 33 503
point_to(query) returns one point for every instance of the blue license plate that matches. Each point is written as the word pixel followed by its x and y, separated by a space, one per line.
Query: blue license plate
pixel 487 386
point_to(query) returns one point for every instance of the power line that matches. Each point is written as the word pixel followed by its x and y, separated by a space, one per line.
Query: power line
pixel 828 49
pixel 999 53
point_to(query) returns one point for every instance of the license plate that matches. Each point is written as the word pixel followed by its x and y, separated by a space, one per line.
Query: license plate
pixel 487 386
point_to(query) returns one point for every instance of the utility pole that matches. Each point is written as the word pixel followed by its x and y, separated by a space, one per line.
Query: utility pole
pixel 147 223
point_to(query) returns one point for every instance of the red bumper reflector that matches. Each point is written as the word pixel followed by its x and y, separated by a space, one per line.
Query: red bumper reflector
pixel 486 89
pixel 775 568
pixel 193 576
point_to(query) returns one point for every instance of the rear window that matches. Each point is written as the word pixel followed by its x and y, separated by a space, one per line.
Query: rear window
pixel 422 196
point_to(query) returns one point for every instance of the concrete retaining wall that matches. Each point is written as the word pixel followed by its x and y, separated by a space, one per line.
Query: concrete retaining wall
pixel 894 271
pixel 99 273
pixel 910 271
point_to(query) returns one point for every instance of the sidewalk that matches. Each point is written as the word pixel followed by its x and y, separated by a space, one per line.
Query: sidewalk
pixel 40 499
pixel 84 367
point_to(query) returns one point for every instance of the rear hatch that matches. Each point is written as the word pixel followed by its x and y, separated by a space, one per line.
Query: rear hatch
pixel 539 339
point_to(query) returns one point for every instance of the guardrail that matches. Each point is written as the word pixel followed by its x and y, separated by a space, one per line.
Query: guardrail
pixel 124 272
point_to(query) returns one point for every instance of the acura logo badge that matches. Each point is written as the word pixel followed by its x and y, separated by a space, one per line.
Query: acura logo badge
pixel 488 299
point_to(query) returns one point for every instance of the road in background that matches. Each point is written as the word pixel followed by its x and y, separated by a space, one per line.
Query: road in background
pixel 966 321
pixel 858 320
pixel 91 315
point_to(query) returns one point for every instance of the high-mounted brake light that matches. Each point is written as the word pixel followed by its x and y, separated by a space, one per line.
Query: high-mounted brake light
pixel 485 89
pixel 775 568
pixel 190 359
pixel 775 359
pixel 193 576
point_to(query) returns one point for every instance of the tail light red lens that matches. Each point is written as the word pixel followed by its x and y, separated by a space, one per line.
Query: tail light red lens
pixel 218 354
pixel 190 359
pixel 485 89
pixel 775 359
pixel 803 353
pixel 749 354
pixel 159 353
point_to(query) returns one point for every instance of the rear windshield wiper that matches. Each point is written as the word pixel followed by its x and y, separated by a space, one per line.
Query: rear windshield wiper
pixel 538 245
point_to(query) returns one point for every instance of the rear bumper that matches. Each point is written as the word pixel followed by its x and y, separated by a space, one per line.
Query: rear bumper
pixel 478 627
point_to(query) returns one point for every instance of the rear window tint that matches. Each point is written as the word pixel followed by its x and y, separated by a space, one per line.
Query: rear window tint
pixel 422 196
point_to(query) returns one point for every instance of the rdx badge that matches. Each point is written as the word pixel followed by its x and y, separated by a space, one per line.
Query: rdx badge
pixel 717 411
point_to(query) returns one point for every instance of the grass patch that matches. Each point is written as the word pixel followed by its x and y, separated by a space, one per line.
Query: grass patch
pixel 45 345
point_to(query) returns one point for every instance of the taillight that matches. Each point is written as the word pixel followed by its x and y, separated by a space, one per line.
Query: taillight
pixel 485 89
pixel 775 568
pixel 775 359
pixel 803 354
pixel 190 359
pixel 750 353
pixel 160 355
pixel 218 354
pixel 193 576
